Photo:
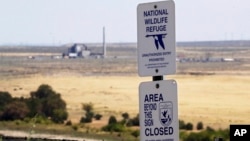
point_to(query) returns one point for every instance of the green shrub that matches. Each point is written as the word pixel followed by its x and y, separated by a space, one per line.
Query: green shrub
pixel 88 118
pixel 223 134
pixel 199 126
pixel 15 110
pixel 35 106
pixel 205 135
pixel 112 120
pixel 98 116
pixel 5 98
pixel 40 119
pixel 182 125
pixel 46 101
pixel 59 115
pixel 183 134
pixel 125 116
pixel 88 107
pixel 114 127
pixel 89 114
pixel 134 121
pixel 135 133
pixel 189 126
pixel 210 129
pixel 123 122
pixel 68 123
pixel 17 122
pixel 197 137
pixel 75 127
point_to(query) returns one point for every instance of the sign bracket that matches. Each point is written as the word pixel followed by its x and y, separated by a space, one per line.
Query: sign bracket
pixel 158 78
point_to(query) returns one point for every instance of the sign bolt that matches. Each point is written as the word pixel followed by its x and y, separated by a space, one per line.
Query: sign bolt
pixel 156 70
pixel 157 86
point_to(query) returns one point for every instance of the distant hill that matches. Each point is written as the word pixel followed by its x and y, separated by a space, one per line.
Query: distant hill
pixel 234 43
pixel 226 43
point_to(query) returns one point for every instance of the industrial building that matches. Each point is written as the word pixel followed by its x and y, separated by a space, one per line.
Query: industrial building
pixel 77 50
pixel 80 50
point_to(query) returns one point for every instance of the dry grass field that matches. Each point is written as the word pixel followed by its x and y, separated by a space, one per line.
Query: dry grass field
pixel 217 100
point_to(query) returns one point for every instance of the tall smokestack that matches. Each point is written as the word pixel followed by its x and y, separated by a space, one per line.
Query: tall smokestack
pixel 104 43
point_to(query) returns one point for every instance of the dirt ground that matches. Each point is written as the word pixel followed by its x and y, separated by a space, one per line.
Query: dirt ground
pixel 216 100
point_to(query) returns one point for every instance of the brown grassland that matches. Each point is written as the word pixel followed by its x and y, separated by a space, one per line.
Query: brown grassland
pixel 217 100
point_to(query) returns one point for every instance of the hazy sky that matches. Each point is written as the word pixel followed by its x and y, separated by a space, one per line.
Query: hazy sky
pixel 63 21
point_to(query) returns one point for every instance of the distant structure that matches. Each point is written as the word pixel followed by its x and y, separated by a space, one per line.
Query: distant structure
pixel 80 50
pixel 77 50
pixel 104 43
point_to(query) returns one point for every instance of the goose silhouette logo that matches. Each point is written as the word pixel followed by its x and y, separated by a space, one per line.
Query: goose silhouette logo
pixel 166 113
pixel 158 38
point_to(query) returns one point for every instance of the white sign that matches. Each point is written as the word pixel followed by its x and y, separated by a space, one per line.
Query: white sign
pixel 156 38
pixel 158 111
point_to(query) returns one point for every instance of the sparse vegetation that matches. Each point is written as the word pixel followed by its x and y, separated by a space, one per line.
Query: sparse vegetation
pixel 135 133
pixel 205 135
pixel 5 98
pixel 98 116
pixel 134 121
pixel 49 103
pixel 113 125
pixel 45 101
pixel 199 126
pixel 189 126
pixel 18 108
pixel 121 126
pixel 68 123
pixel 88 108
pixel 15 110
pixel 125 116
pixel 182 124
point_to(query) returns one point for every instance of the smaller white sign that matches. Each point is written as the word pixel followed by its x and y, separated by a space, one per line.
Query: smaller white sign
pixel 156 38
pixel 158 111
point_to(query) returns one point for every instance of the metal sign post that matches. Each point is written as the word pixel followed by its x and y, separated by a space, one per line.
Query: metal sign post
pixel 157 57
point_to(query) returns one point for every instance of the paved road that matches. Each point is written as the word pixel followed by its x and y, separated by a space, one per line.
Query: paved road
pixel 20 134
